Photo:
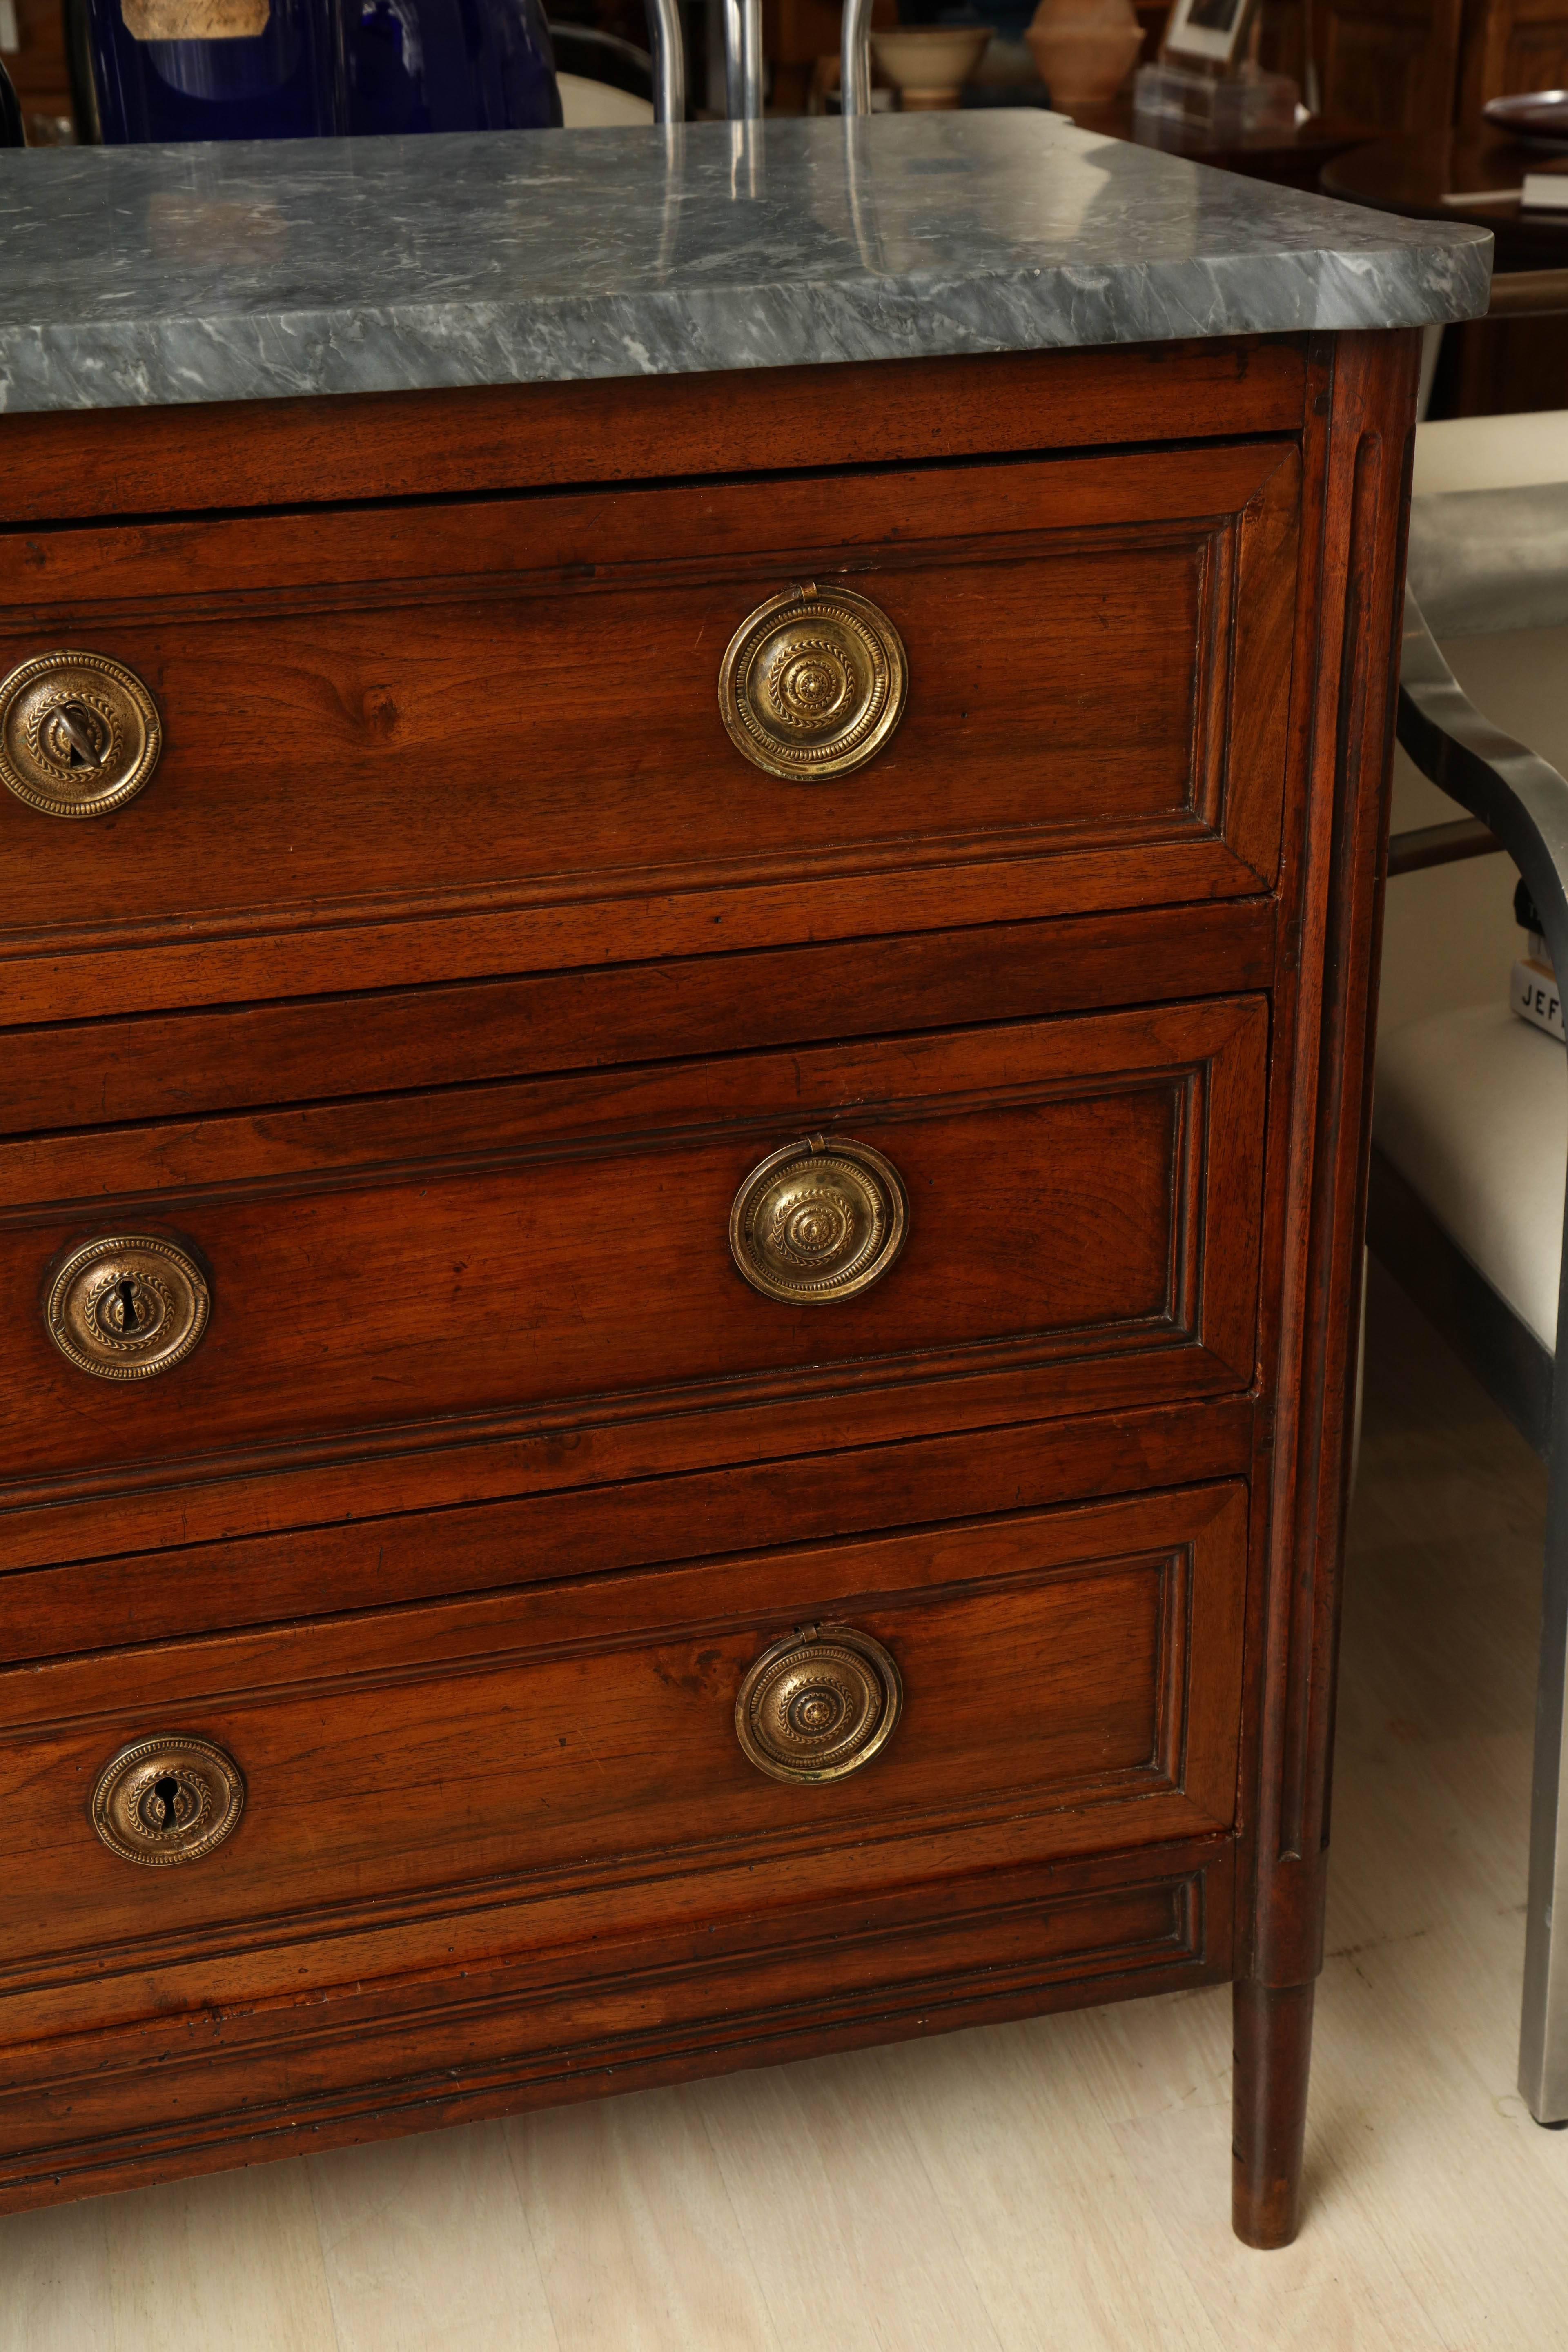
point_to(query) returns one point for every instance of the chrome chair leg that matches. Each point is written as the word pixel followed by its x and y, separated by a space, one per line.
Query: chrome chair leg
pixel 1524 802
pixel 743 60
pixel 1544 2028
pixel 855 58
pixel 669 48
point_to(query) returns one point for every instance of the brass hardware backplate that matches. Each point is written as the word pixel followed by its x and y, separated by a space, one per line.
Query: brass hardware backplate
pixel 818 1704
pixel 128 1305
pixel 79 734
pixel 813 683
pixel 165 1800
pixel 815 1223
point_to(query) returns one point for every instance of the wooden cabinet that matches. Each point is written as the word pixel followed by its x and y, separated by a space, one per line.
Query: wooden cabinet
pixel 1510 46
pixel 1392 65
pixel 37 65
pixel 1414 66
pixel 509 1648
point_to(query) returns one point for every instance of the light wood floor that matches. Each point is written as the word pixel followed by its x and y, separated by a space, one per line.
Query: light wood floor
pixel 1059 2185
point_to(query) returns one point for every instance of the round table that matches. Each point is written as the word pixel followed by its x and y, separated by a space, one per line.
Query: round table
pixel 1414 175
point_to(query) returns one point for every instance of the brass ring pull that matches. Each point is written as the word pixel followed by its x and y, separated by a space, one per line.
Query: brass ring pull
pixel 128 1305
pixel 79 734
pixel 813 683
pixel 167 1800
pixel 817 1222
pixel 818 1704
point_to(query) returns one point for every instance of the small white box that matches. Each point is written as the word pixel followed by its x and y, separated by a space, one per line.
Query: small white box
pixel 1532 994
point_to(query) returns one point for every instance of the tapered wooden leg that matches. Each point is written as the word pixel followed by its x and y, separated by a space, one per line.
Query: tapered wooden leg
pixel 1273 2058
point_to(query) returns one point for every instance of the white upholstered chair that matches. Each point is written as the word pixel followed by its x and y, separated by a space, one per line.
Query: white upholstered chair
pixel 1470 1121
pixel 597 105
pixel 604 81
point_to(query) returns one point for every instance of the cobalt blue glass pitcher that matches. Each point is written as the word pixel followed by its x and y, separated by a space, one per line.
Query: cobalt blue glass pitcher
pixel 216 68
pixel 449 65
pixel 178 70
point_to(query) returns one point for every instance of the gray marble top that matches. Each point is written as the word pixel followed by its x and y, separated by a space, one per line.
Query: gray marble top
pixel 141 277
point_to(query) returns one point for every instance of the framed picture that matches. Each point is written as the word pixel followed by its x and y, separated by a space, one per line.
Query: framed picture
pixel 1207 31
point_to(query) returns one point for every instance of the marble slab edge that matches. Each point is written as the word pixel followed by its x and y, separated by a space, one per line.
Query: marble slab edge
pixel 286 354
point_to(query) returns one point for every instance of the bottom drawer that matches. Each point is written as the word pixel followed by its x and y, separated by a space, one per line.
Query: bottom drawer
pixel 619 2010
pixel 1077 1672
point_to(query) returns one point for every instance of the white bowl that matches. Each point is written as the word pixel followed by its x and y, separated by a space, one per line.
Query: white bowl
pixel 931 63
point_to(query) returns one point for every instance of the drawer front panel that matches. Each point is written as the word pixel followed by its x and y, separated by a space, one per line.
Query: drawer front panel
pixel 227 1058
pixel 521 701
pixel 1079 1192
pixel 483 2033
pixel 392 1538
pixel 1080 1665
pixel 491 437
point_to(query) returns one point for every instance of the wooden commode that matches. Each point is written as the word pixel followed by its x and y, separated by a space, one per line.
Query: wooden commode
pixel 684 1084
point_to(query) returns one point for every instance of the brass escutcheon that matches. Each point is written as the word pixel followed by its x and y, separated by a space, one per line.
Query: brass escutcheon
pixel 813 683
pixel 165 1800
pixel 79 734
pixel 128 1305
pixel 818 1704
pixel 817 1222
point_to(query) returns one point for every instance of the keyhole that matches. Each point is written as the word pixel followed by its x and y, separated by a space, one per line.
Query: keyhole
pixel 167 1791
pixel 129 1318
pixel 81 737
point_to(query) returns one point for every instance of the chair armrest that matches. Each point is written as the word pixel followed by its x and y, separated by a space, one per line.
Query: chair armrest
pixel 1516 795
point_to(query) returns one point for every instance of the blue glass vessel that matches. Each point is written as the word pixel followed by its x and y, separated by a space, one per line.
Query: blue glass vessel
pixel 181 69
pixel 307 68
pixel 449 65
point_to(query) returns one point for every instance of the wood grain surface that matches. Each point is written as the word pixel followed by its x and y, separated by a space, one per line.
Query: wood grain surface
pixel 260 454
pixel 1083 1666
pixel 1361 448
pixel 441 987
pixel 1057 2181
pixel 393 710
pixel 361 1042
pixel 560 1249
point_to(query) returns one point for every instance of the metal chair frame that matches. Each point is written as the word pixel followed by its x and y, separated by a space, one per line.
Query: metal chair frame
pixel 1519 803
pixel 621 64
pixel 744 94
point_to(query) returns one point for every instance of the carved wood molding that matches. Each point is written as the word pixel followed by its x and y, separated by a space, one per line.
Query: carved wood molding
pixel 1364 437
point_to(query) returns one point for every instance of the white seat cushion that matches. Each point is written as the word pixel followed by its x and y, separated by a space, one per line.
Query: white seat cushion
pixel 596 106
pixel 1488 523
pixel 1491 453
pixel 1472 1110
pixel 1472 1105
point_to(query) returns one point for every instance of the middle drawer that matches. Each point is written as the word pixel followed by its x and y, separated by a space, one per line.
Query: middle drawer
pixel 1080 1203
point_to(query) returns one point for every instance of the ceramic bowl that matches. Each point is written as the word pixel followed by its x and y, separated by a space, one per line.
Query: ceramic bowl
pixel 930 63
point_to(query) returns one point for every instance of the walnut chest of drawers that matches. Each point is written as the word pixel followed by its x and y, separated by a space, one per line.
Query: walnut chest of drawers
pixel 684 1068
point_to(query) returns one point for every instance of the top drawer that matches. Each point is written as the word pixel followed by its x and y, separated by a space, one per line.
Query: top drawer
pixel 460 714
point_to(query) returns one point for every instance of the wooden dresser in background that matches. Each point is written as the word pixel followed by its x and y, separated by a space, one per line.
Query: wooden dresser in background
pixel 1414 66
pixel 32 47
pixel 683 1146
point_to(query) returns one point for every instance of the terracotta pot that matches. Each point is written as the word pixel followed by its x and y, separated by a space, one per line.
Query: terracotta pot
pixel 930 63
pixel 1084 49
